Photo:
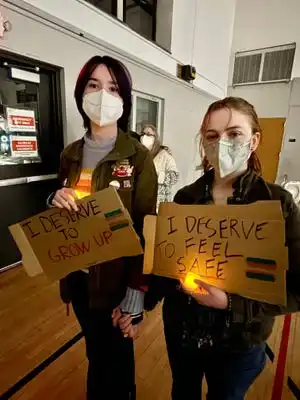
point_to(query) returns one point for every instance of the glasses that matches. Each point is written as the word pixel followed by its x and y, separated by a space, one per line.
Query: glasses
pixel 147 134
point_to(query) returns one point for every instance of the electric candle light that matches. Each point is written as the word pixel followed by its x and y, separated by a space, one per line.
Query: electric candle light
pixel 189 281
pixel 190 284
pixel 81 195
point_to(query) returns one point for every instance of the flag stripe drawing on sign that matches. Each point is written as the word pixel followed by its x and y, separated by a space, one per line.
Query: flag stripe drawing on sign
pixel 263 263
pixel 238 248
pixel 120 225
pixel 113 214
pixel 260 276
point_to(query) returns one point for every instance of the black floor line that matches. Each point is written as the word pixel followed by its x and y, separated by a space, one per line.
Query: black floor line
pixel 38 369
pixel 42 366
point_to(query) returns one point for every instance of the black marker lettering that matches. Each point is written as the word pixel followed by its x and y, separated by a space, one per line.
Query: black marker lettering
pixel 46 224
pixel 233 224
pixel 247 234
pixel 64 232
pixel 220 269
pixel 55 220
pixel 208 267
pixel 31 231
pixel 171 229
pixel 81 213
pixel 181 264
pixel 258 229
pixel 223 228
pixel 190 223
pixel 227 255
pixel 71 215
pixel 201 221
pixel 210 228
pixel 73 233
pixel 216 249
pixel 188 244
pixel 95 207
pixel 195 265
pixel 203 242
pixel 169 250
pixel 159 246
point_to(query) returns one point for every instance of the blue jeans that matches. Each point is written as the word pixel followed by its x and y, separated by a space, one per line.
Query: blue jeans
pixel 228 373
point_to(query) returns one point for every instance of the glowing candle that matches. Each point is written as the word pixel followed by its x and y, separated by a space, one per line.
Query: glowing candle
pixel 189 281
pixel 190 284
pixel 80 194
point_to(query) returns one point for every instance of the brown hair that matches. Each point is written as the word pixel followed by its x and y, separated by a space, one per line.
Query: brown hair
pixel 241 105
pixel 158 146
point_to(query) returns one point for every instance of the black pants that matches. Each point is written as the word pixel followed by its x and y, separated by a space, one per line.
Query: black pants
pixel 229 374
pixel 111 373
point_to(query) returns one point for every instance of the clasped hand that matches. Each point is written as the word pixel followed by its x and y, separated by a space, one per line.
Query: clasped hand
pixel 125 323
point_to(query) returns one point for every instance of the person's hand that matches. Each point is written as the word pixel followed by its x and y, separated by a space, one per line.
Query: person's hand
pixel 128 330
pixel 116 315
pixel 65 198
pixel 208 295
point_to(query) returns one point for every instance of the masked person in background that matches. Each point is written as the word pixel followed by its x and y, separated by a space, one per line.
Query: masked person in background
pixel 164 162
pixel 217 334
pixel 107 155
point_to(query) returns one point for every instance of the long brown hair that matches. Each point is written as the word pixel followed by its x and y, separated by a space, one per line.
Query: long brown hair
pixel 241 105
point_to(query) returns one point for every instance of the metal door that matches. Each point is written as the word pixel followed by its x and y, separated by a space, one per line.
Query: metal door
pixel 31 140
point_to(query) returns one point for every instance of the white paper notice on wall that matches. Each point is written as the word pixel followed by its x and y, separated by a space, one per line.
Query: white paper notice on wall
pixel 24 146
pixel 19 120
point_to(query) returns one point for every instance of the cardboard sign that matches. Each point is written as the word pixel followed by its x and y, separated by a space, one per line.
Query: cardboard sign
pixel 238 248
pixel 20 120
pixel 23 146
pixel 59 241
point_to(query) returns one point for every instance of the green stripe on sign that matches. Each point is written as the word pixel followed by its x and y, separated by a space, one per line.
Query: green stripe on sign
pixel 120 226
pixel 113 213
pixel 260 260
pixel 260 277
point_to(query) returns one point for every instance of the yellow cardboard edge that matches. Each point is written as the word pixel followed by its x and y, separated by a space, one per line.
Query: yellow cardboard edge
pixel 29 259
pixel 149 232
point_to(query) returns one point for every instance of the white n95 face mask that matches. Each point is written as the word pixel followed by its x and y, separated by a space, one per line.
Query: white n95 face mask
pixel 102 107
pixel 228 156
pixel 148 141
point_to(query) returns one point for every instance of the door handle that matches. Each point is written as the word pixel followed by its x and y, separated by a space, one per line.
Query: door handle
pixel 27 179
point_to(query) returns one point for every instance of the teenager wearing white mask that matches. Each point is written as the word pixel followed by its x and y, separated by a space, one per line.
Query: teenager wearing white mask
pixel 164 162
pixel 217 334
pixel 107 155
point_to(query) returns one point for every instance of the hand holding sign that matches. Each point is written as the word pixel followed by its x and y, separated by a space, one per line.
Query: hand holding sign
pixel 205 294
pixel 65 198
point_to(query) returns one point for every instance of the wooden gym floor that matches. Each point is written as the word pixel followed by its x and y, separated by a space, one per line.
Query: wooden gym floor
pixel 34 325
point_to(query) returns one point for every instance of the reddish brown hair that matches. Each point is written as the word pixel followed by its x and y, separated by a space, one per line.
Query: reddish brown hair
pixel 242 106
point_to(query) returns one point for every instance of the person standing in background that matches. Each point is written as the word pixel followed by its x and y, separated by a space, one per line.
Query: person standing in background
pixel 164 162
pixel 107 155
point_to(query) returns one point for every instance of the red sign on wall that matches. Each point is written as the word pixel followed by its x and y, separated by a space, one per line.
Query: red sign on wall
pixel 20 120
pixel 24 146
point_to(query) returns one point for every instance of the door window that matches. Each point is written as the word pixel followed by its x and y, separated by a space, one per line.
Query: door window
pixel 19 121
pixel 30 121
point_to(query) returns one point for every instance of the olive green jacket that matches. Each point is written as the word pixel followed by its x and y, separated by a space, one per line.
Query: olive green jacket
pixel 138 191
